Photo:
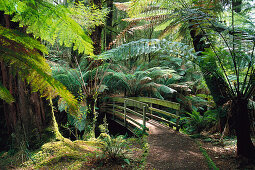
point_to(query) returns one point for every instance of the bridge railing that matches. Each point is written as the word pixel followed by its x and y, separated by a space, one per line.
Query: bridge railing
pixel 122 109
pixel 165 103
pixel 142 108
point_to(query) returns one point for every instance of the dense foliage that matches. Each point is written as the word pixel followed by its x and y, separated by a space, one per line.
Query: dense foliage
pixel 199 53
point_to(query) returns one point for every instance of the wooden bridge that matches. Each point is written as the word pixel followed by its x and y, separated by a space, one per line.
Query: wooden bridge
pixel 168 149
pixel 137 113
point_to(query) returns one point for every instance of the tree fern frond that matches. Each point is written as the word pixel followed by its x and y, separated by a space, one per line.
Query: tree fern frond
pixel 143 27
pixel 48 22
pixel 21 38
pixel 165 89
pixel 5 94
pixel 122 6
pixel 146 46
pixel 147 18
pixel 88 16
pixel 33 67
pixel 68 77
pixel 120 38
pixel 140 6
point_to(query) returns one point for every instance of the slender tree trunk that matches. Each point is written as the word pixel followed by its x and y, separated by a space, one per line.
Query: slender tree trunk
pixel 91 118
pixel 241 123
pixel 96 34
pixel 109 22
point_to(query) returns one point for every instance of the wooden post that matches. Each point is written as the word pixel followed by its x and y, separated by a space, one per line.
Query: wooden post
pixel 144 117
pixel 125 113
pixel 177 120
pixel 113 115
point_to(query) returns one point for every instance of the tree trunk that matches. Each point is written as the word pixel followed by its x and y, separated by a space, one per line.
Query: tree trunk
pixel 96 34
pixel 217 86
pixel 109 22
pixel 241 123
pixel 25 118
pixel 91 118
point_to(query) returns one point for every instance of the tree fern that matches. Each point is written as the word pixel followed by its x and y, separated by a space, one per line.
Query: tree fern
pixel 48 22
pixel 138 83
pixel 68 77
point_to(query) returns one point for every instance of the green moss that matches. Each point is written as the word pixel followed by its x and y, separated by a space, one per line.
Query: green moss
pixel 67 154
pixel 63 154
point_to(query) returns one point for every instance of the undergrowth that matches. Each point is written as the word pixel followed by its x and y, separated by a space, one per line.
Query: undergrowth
pixel 104 153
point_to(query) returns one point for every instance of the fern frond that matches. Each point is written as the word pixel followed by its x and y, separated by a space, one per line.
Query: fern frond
pixel 31 66
pixel 88 16
pixel 68 77
pixel 122 6
pixel 120 38
pixel 146 46
pixel 20 38
pixel 5 94
pixel 48 22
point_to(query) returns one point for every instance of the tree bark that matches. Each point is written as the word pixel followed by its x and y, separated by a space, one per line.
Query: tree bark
pixel 96 33
pixel 241 123
pixel 25 118
pixel 109 22
pixel 217 86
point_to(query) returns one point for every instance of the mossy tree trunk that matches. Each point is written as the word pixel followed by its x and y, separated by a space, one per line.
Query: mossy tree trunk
pixel 90 118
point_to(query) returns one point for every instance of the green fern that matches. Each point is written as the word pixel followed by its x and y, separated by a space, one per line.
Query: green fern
pixel 30 65
pixel 48 22
pixel 148 46
pixel 5 94
pixel 138 83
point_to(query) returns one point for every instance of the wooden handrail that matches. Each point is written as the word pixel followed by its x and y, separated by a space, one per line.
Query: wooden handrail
pixel 145 105
pixel 165 103
pixel 163 112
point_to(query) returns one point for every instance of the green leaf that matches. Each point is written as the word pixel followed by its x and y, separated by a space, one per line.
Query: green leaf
pixel 5 94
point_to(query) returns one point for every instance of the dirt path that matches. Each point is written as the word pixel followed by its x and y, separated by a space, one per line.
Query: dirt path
pixel 170 150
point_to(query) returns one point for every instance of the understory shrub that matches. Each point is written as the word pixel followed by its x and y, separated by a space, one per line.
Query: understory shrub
pixel 195 122
pixel 114 147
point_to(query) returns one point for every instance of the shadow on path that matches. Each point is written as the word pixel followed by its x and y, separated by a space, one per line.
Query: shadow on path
pixel 170 150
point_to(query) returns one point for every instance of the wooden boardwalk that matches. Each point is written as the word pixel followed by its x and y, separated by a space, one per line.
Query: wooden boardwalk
pixel 168 148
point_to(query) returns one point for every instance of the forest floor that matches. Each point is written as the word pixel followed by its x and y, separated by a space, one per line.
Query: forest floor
pixel 163 149
pixel 170 149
